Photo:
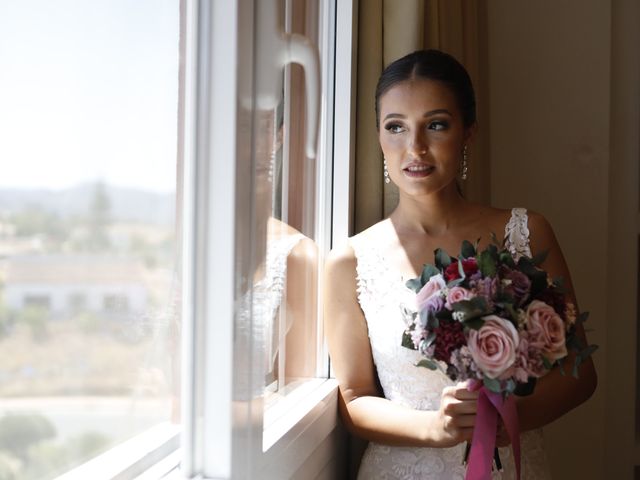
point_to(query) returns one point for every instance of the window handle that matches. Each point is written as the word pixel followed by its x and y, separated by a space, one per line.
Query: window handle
pixel 275 50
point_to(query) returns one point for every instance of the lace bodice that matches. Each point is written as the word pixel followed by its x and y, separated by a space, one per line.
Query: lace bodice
pixel 382 294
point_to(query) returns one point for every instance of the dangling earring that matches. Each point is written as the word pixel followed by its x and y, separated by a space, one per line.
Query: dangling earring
pixel 464 163
pixel 386 171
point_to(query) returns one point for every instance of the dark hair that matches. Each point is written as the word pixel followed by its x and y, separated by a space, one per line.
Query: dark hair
pixel 431 65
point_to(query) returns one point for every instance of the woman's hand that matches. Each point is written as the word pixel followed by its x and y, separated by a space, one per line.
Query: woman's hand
pixel 456 415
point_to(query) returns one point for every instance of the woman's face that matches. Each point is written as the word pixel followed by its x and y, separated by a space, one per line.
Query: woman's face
pixel 422 135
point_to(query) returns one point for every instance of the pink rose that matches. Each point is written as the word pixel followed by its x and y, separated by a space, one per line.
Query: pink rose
pixel 457 294
pixel 433 286
pixel 494 346
pixel 546 330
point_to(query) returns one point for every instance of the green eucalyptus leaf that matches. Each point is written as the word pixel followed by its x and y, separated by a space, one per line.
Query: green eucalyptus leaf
pixel 561 364
pixel 576 364
pixel 442 259
pixel 547 364
pixel 574 343
pixel 492 384
pixel 474 323
pixel 558 281
pixel 467 249
pixel 414 284
pixel 407 341
pixel 471 309
pixel 539 258
pixel 430 339
pixel 444 314
pixel 582 318
pixel 506 259
pixel 511 312
pixel 510 385
pixel 430 364
pixel 428 271
pixel 424 317
pixel 461 269
pixel 588 351
pixel 487 264
pixel 455 283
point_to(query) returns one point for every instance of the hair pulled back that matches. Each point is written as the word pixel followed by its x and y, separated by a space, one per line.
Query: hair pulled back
pixel 431 65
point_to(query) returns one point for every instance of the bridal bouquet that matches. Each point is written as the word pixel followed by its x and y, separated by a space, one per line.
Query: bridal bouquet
pixel 502 324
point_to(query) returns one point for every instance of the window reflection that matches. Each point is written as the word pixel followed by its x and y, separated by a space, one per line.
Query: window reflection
pixel 284 288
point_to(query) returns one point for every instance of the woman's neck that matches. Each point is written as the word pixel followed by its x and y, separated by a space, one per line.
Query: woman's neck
pixel 433 214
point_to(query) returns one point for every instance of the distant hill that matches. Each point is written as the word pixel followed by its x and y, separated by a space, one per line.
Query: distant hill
pixel 126 204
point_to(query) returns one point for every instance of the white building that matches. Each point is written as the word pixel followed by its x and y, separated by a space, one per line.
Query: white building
pixel 64 284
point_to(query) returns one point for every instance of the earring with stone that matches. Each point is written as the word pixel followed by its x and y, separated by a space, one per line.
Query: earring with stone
pixel 386 171
pixel 465 168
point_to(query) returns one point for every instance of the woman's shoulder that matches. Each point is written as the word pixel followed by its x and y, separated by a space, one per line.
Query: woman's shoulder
pixel 541 234
pixel 344 256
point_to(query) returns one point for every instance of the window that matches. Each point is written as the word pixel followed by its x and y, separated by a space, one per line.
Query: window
pixel 89 325
pixel 171 241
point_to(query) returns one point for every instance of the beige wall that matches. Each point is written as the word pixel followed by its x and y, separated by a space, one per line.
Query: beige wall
pixel 549 83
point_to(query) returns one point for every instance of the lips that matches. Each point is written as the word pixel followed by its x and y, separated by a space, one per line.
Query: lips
pixel 418 170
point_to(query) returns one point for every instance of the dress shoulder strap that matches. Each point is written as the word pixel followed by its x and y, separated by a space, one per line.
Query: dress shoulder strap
pixel 516 234
pixel 374 281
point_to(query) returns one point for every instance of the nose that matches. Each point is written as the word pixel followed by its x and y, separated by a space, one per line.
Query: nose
pixel 418 145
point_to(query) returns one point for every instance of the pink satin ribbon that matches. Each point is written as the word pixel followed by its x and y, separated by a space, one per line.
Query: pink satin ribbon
pixel 490 405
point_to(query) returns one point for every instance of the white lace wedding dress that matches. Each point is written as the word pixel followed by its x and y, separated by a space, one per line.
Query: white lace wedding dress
pixel 381 293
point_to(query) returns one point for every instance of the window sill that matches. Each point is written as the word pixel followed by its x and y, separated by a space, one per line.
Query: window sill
pixel 131 458
pixel 291 437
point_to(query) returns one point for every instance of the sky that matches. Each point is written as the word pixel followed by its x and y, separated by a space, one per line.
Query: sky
pixel 88 91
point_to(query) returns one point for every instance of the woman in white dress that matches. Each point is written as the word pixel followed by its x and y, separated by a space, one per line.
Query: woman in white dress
pixel 417 420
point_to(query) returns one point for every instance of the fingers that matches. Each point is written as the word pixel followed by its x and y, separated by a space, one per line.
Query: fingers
pixel 458 412
pixel 461 392
pixel 457 400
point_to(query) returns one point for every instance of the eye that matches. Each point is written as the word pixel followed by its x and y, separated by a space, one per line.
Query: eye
pixel 394 127
pixel 438 125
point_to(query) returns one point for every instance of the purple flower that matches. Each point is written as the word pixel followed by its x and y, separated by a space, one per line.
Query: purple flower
pixel 434 304
pixel 517 284
pixel 485 287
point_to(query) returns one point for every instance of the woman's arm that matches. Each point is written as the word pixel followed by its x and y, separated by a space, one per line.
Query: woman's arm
pixel 366 413
pixel 555 394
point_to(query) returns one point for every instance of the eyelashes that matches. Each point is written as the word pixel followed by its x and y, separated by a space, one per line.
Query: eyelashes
pixel 393 127
pixel 435 125
pixel 438 125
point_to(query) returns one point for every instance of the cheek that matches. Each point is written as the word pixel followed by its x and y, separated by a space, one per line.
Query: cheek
pixel 390 143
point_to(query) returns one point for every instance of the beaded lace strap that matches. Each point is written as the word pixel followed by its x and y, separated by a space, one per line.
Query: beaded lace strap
pixel 516 233
pixel 373 279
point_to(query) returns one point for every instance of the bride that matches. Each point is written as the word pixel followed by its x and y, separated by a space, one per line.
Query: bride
pixel 417 420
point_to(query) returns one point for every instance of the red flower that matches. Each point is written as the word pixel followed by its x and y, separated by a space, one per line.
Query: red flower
pixel 449 337
pixel 469 265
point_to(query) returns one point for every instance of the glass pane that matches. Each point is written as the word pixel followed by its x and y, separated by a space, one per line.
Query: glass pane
pixel 89 327
pixel 292 251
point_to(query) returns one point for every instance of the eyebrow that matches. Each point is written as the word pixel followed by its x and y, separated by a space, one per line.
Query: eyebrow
pixel 427 114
